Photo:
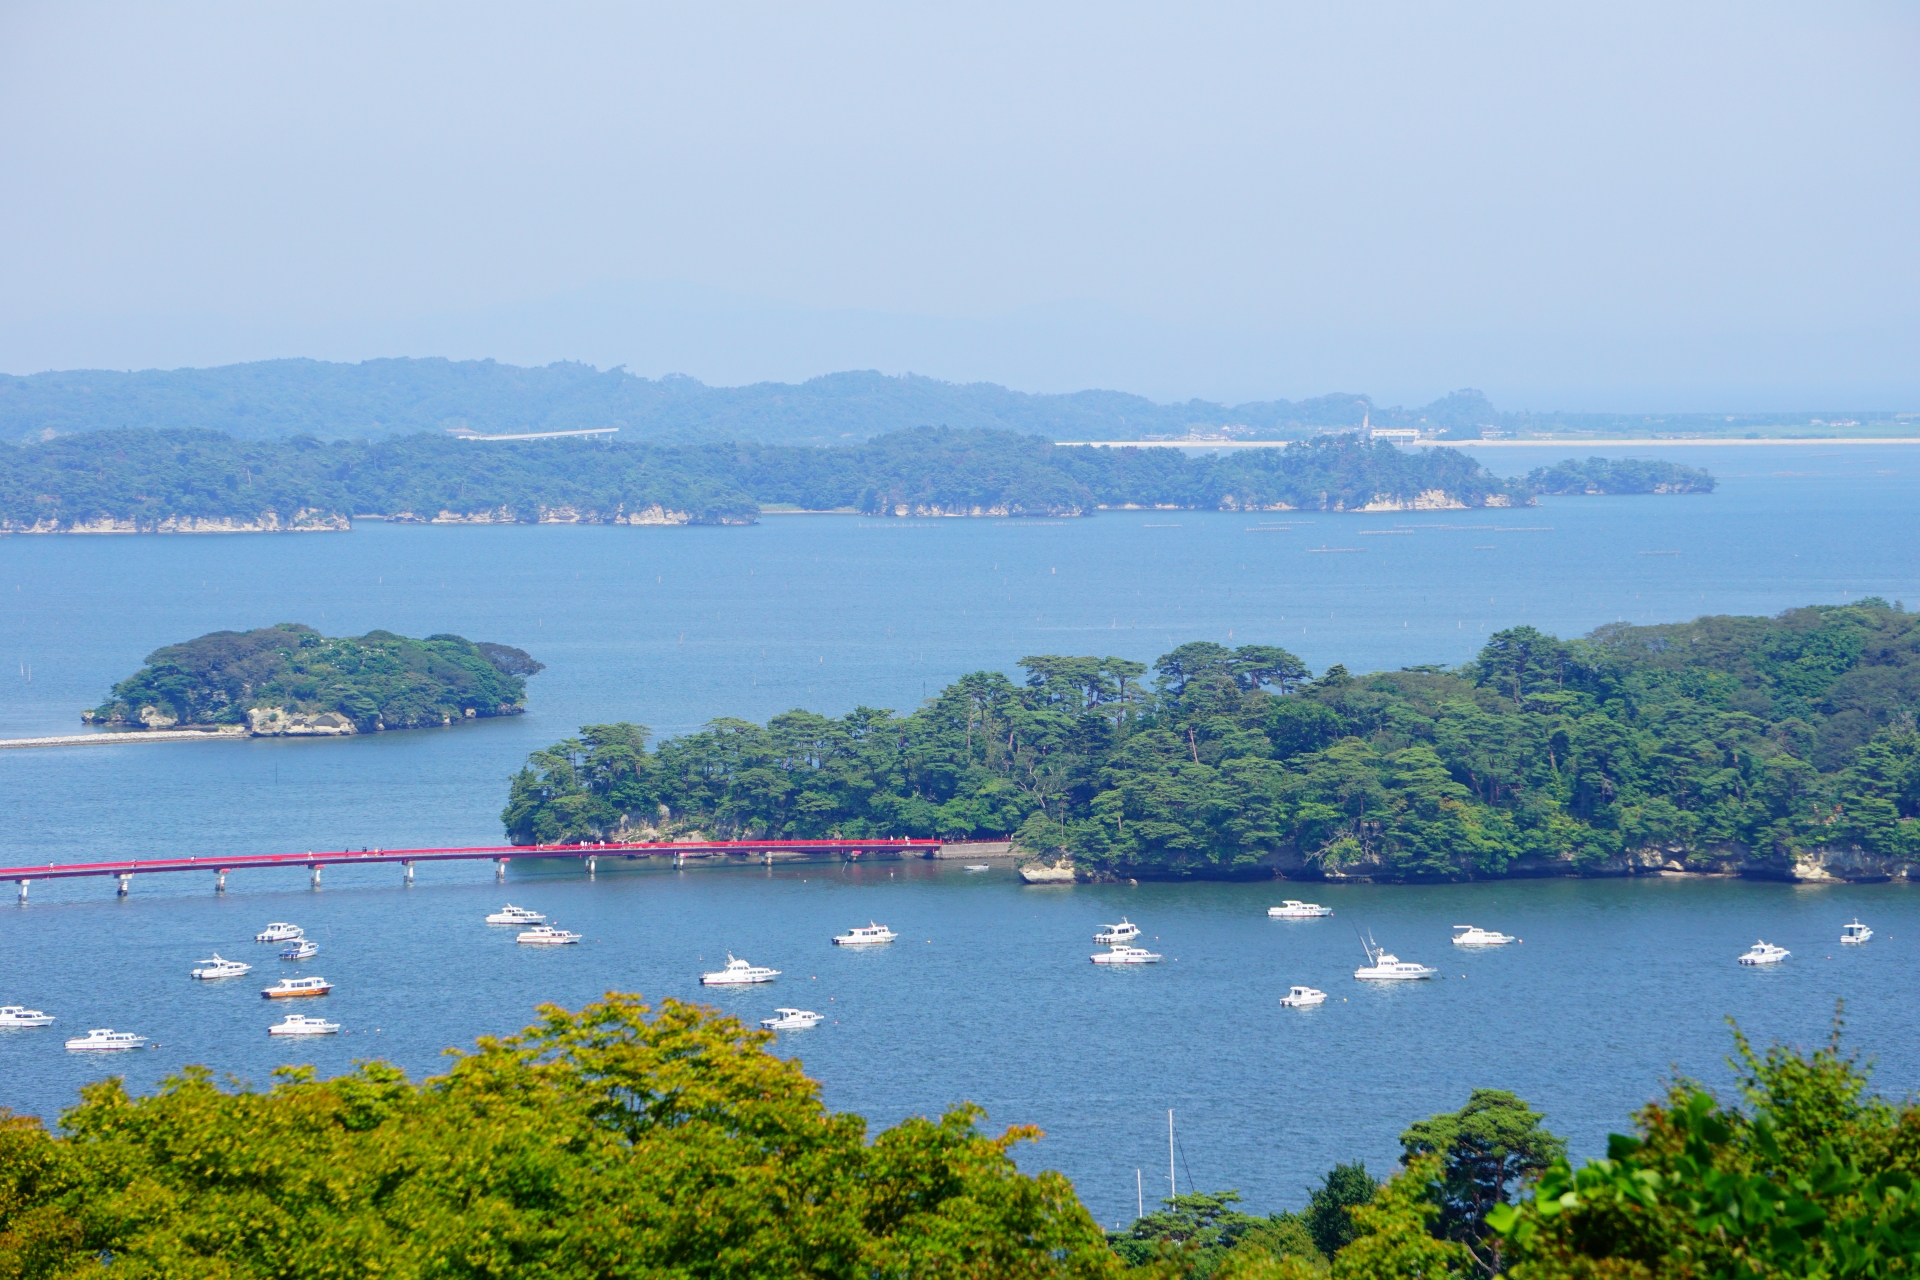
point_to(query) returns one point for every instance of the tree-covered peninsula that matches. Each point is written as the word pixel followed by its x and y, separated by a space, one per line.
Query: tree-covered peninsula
pixel 1782 746
pixel 184 481
pixel 289 680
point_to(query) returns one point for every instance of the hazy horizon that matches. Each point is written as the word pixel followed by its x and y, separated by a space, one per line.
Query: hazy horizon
pixel 1622 210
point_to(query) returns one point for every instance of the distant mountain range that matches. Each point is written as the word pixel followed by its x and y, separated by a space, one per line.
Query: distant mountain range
pixel 379 398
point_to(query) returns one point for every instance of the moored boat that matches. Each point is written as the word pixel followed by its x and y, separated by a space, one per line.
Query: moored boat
pixel 738 973
pixel 301 949
pixel 1125 931
pixel 1381 966
pixel 864 935
pixel 792 1020
pixel 297 988
pixel 548 935
pixel 1764 953
pixel 279 931
pixel 1302 997
pixel 511 914
pixel 1294 909
pixel 1472 935
pixel 1855 932
pixel 14 1015
pixel 299 1024
pixel 1121 953
pixel 217 967
pixel 106 1038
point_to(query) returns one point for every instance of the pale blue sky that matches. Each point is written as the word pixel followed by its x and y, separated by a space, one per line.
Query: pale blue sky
pixel 1611 206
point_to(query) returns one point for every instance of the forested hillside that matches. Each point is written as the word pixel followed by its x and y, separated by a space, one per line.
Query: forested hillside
pixel 275 399
pixel 185 481
pixel 280 398
pixel 1758 744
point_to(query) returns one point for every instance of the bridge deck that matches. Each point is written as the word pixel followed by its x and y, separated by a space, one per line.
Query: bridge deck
pixel 350 857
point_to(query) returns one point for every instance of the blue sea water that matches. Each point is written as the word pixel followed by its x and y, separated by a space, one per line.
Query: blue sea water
pixel 988 996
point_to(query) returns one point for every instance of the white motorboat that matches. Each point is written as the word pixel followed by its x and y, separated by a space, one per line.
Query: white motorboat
pixel 302 949
pixel 978 866
pixel 1382 966
pixel 738 973
pixel 279 932
pixel 792 1020
pixel 14 1015
pixel 511 914
pixel 219 968
pixel 1294 909
pixel 1472 935
pixel 547 935
pixel 1121 953
pixel 296 988
pixel 864 935
pixel 1125 931
pixel 299 1024
pixel 1855 932
pixel 1764 953
pixel 106 1038
pixel 1302 998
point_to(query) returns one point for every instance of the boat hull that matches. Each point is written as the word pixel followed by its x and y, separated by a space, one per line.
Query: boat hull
pixel 1128 960
pixel 22 1024
pixel 1365 976
pixel 707 981
pixel 79 1046
pixel 331 1029
pixel 305 993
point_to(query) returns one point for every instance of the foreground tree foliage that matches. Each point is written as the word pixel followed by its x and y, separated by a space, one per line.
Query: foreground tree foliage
pixel 1816 1179
pixel 1725 738
pixel 612 1142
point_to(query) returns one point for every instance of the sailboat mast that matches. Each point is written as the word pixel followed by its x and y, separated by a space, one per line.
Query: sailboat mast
pixel 1173 1192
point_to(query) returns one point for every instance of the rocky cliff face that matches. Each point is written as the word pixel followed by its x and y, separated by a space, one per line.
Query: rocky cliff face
pixel 1832 865
pixel 653 515
pixel 278 722
pixel 304 520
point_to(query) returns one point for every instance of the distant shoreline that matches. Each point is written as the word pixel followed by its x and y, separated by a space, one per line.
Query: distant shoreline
pixel 1711 442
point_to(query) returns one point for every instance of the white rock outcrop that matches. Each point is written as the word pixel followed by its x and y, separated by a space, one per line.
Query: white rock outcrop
pixel 278 722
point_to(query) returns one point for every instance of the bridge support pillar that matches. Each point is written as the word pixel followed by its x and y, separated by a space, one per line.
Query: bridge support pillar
pixel 499 870
pixel 766 856
pixel 591 864
pixel 220 881
pixel 23 892
pixel 126 882
pixel 315 882
pixel 408 868
pixel 679 859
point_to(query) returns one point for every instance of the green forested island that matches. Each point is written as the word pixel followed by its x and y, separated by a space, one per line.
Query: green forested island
pixel 289 680
pixel 1782 746
pixel 205 481
pixel 625 1141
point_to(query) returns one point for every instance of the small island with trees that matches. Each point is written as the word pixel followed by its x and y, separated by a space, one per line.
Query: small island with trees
pixel 290 681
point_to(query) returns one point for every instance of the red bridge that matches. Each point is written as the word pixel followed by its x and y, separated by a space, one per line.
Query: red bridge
pixel 679 851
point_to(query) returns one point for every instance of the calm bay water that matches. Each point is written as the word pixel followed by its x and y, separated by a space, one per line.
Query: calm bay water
pixel 988 995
